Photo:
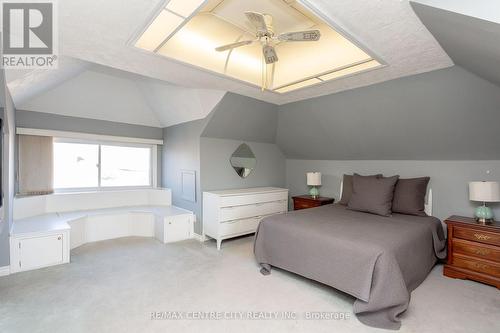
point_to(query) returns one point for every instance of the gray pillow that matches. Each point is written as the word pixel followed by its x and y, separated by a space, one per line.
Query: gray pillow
pixel 409 196
pixel 372 194
pixel 347 188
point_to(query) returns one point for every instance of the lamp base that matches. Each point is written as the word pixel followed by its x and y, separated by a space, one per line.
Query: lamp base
pixel 484 215
pixel 483 221
pixel 314 192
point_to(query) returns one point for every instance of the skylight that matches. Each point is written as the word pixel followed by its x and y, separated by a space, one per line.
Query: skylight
pixel 190 30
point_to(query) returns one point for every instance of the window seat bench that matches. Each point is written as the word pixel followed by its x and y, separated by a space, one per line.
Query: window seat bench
pixel 46 239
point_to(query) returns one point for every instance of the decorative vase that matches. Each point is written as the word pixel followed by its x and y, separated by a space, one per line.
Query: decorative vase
pixel 483 214
pixel 314 192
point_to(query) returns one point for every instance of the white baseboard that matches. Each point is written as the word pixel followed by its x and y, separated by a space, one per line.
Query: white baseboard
pixel 5 270
pixel 199 238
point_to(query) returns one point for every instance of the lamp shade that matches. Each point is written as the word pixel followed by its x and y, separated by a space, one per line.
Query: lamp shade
pixel 484 191
pixel 314 178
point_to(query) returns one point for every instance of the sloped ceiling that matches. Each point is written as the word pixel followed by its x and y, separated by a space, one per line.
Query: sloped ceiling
pixel 449 114
pixel 243 118
pixel 80 89
pixel 100 32
pixel 101 76
pixel 470 36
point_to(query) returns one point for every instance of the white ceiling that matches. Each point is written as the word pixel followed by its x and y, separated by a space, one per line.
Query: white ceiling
pixel 99 32
pixel 98 92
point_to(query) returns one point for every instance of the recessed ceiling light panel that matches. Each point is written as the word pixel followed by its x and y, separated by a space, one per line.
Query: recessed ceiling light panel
pixel 190 31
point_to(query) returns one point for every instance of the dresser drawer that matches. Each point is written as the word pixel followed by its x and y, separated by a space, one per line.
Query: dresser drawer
pixel 477 235
pixel 236 227
pixel 476 249
pixel 477 265
pixel 258 209
pixel 239 200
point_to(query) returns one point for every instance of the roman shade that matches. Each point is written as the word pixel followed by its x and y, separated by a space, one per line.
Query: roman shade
pixel 36 165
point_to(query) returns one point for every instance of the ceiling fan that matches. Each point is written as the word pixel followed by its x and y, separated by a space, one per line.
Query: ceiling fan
pixel 266 36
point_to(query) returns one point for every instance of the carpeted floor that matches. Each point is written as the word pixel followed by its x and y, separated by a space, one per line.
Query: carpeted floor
pixel 115 286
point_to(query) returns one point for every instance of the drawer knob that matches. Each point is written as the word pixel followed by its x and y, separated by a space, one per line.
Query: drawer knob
pixel 59 238
pixel 481 236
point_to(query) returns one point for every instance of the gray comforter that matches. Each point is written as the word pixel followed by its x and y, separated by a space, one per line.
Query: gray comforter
pixel 379 260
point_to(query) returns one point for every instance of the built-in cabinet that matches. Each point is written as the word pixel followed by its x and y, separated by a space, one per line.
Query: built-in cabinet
pixel 32 252
pixel 232 213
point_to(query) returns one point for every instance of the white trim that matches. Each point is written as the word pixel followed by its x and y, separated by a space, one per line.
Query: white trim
pixel 86 136
pixel 5 270
pixel 199 238
pixel 154 166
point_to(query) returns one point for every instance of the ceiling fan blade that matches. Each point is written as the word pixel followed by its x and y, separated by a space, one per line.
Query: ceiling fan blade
pixel 233 45
pixel 270 55
pixel 262 22
pixel 300 36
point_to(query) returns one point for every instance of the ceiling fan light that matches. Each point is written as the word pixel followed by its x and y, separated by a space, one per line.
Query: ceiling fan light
pixel 270 55
pixel 184 8
pixel 161 27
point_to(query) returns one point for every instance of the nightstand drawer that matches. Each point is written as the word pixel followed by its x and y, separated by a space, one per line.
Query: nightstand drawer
pixel 483 266
pixel 306 201
pixel 304 204
pixel 476 250
pixel 477 235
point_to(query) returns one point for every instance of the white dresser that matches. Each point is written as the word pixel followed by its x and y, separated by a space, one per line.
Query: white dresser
pixel 232 213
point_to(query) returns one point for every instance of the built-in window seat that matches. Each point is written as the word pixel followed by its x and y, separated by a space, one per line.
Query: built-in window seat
pixel 46 228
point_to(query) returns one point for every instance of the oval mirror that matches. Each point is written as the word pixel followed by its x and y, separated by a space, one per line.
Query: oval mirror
pixel 243 160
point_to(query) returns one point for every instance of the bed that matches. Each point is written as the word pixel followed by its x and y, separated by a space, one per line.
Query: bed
pixel 378 260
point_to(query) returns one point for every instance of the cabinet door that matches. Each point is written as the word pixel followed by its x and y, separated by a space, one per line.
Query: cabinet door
pixel 40 251
pixel 177 228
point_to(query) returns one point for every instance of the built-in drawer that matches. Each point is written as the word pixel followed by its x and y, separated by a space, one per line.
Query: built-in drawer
pixel 236 227
pixel 477 265
pixel 476 249
pixel 238 200
pixel 477 235
pixel 258 209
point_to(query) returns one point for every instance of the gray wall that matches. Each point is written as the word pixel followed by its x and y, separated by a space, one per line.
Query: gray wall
pixel 449 179
pixel 449 114
pixel 8 175
pixel 205 146
pixel 442 124
pixel 217 173
pixel 181 151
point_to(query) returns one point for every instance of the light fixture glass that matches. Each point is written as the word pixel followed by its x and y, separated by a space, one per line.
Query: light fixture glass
pixel 184 7
pixel 161 27
pixel 298 85
pixel 351 70
pixel 221 22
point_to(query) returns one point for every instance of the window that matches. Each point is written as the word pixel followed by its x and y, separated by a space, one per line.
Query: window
pixel 88 165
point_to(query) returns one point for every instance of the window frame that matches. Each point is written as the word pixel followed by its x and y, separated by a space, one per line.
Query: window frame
pixel 153 174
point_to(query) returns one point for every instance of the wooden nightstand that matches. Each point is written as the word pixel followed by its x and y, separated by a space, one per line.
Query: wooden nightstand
pixel 473 250
pixel 307 201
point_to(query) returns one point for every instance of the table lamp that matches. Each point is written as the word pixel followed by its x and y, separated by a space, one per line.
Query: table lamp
pixel 314 180
pixel 484 192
